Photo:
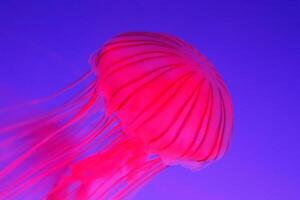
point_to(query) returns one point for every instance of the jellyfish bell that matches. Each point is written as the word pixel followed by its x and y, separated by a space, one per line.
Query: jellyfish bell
pixel 167 95
pixel 155 101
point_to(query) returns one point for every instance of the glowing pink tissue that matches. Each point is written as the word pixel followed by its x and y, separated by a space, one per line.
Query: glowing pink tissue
pixel 151 101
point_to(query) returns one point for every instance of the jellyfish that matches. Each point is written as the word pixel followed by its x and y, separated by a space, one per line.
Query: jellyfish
pixel 150 101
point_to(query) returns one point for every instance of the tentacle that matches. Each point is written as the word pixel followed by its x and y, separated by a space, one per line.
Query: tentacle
pixel 46 145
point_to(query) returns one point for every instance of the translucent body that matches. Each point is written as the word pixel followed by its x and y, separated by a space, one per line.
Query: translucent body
pixel 155 102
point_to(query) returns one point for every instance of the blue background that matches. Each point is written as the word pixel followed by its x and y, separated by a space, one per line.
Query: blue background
pixel 45 45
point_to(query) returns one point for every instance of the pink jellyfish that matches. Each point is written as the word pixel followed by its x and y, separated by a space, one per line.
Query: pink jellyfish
pixel 152 101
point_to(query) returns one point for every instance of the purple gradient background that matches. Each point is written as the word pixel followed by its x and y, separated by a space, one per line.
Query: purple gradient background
pixel 255 46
